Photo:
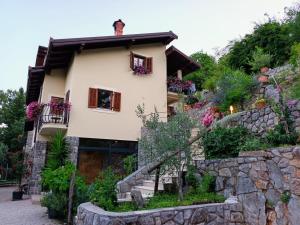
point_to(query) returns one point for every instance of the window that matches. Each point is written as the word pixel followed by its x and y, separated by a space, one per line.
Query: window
pixel 138 61
pixel 104 99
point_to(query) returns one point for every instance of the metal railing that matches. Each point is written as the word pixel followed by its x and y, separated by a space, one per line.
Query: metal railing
pixel 57 113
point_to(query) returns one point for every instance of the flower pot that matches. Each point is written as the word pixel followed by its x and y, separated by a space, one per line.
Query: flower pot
pixel 54 214
pixel 263 79
pixel 264 69
pixel 187 107
pixel 260 105
pixel 17 195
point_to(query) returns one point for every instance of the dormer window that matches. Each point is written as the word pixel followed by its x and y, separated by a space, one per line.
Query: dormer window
pixel 140 65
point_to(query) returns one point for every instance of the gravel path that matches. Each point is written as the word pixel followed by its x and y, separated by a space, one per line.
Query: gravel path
pixel 21 212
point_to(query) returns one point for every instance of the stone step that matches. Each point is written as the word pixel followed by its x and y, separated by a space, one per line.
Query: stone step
pixel 151 183
pixel 127 197
pixel 146 190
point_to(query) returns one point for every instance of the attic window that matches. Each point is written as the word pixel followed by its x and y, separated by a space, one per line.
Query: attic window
pixel 141 65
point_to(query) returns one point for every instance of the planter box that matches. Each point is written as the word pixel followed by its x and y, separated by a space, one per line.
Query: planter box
pixel 17 195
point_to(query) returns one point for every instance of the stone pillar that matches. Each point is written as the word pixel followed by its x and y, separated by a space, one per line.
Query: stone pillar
pixel 39 156
pixel 179 74
pixel 73 146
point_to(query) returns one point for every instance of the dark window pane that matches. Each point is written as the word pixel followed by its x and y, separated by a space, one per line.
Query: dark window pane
pixel 104 99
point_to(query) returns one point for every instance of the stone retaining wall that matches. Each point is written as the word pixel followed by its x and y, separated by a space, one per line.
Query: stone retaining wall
pixel 208 214
pixel 259 179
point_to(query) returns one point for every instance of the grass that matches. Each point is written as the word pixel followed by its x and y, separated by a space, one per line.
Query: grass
pixel 165 200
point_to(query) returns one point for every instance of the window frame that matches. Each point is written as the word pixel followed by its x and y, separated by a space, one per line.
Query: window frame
pixel 115 100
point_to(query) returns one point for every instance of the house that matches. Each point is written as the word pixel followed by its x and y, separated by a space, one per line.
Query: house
pixel 90 88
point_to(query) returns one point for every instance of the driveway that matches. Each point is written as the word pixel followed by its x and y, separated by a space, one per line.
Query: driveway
pixel 21 212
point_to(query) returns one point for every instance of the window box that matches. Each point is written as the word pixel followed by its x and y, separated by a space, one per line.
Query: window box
pixel 140 65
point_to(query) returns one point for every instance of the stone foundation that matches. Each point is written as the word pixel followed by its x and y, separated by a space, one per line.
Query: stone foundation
pixel 208 214
pixel 39 156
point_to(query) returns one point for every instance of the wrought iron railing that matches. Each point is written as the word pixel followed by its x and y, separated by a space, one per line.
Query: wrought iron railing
pixel 57 113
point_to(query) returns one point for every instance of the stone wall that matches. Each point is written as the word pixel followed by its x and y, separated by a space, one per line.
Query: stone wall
pixel 73 143
pixel 209 214
pixel 294 107
pixel 259 179
pixel 39 156
pixel 259 121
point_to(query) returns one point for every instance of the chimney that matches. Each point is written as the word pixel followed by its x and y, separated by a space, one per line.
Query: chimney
pixel 118 26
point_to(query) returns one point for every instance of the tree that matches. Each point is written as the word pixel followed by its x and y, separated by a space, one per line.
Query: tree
pixel 12 114
pixel 208 66
pixel 167 140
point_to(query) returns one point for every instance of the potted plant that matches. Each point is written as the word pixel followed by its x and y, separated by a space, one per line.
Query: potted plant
pixel 56 205
pixel 189 102
pixel 260 103
pixel 33 110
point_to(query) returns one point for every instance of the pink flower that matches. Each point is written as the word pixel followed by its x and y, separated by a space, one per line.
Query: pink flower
pixel 33 110
pixel 208 119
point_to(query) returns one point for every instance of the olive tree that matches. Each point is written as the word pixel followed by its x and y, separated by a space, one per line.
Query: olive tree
pixel 168 141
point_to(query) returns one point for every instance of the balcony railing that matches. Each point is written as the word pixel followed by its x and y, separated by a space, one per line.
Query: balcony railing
pixel 179 86
pixel 54 113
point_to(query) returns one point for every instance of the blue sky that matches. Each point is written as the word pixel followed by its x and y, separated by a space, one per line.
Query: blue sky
pixel 200 24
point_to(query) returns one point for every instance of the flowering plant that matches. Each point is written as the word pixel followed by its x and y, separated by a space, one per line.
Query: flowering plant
pixel 140 70
pixel 208 118
pixel 33 110
pixel 178 85
pixel 199 105
pixel 59 107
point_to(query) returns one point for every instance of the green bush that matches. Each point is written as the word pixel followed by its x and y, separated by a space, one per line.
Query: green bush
pixel 295 55
pixel 58 180
pixel 130 164
pixel 233 88
pixel 103 192
pixel 190 176
pixel 59 151
pixel 223 142
pixel 253 144
pixel 285 197
pixel 207 184
pixel 57 202
pixel 259 59
pixel 278 136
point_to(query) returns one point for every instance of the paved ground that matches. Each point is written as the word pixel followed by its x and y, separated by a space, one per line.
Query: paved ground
pixel 21 212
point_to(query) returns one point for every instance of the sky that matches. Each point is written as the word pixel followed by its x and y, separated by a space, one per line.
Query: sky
pixel 200 25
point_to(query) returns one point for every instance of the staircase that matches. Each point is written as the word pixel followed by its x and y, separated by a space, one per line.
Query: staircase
pixel 147 190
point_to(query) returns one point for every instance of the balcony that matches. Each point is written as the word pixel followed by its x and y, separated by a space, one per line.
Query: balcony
pixel 177 87
pixel 53 117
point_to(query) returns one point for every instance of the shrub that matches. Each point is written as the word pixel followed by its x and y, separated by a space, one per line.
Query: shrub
pixel 252 144
pixel 223 142
pixel 285 197
pixel 59 151
pixel 103 192
pixel 233 88
pixel 58 180
pixel 295 55
pixel 130 164
pixel 57 202
pixel 207 185
pixel 278 136
pixel 190 176
pixel 259 59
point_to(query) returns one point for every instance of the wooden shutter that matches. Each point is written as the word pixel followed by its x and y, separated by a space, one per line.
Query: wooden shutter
pixel 117 101
pixel 149 64
pixel 131 60
pixel 93 98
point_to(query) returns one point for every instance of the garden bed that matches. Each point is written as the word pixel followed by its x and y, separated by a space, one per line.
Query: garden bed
pixel 171 200
pixel 89 214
